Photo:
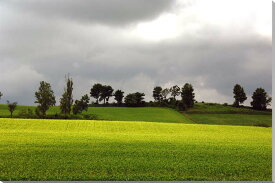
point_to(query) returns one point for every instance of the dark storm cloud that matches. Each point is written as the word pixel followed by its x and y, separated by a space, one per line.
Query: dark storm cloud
pixel 44 40
pixel 115 12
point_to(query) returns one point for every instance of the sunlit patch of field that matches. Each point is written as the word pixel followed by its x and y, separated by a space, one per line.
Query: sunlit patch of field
pixel 35 149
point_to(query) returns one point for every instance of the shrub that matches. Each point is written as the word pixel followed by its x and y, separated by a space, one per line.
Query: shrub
pixel 26 113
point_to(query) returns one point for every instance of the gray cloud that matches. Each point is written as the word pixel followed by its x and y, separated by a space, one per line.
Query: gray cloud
pixel 115 12
pixel 58 40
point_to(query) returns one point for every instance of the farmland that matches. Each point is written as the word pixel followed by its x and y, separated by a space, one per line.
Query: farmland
pixel 37 149
pixel 201 114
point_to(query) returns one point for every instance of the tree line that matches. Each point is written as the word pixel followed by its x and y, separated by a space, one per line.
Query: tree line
pixel 45 98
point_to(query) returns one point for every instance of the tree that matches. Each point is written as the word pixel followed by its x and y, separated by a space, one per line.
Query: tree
pixel 188 96
pixel 157 93
pixel 66 101
pixel 139 98
pixel 175 91
pixel 11 106
pixel 134 99
pixel 106 93
pixel 44 97
pixel 119 96
pixel 1 94
pixel 239 95
pixel 95 91
pixel 260 99
pixel 164 93
pixel 81 105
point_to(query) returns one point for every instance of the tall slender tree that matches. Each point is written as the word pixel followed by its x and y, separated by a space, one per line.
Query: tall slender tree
pixel 239 95
pixel 66 101
pixel 44 97
pixel 188 95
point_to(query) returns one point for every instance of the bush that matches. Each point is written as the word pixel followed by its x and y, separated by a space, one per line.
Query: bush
pixel 26 113
pixel 262 125
pixel 225 104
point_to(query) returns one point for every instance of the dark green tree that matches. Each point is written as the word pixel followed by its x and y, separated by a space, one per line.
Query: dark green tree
pixel 44 98
pixel 175 91
pixel 81 105
pixel 260 99
pixel 157 93
pixel 66 101
pixel 188 95
pixel 11 107
pixel 239 95
pixel 134 99
pixel 1 94
pixel 106 93
pixel 96 91
pixel 119 96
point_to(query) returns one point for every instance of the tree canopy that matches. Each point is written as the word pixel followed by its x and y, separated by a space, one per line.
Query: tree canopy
pixel 260 99
pixel 44 97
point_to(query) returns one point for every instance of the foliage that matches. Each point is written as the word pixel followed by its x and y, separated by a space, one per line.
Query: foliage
pixel 44 98
pixel 260 99
pixel 11 107
pixel 81 105
pixel 239 95
pixel 1 94
pixel 188 96
pixel 66 100
pixel 105 150
pixel 157 93
pixel 135 99
pixel 119 96
pixel 175 91
pixel 96 91
pixel 105 93
pixel 164 93
pixel 26 113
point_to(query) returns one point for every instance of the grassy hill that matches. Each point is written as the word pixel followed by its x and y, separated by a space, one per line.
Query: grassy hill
pixel 202 113
pixel 153 114
pixel 35 149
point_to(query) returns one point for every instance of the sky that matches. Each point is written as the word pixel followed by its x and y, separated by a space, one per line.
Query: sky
pixel 135 45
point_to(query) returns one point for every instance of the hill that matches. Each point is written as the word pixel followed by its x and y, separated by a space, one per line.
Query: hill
pixel 207 113
pixel 153 114
pixel 35 149
pixel 202 113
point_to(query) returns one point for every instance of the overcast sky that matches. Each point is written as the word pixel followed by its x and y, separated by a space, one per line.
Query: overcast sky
pixel 135 45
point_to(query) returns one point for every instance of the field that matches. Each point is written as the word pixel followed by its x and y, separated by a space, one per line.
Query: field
pixel 227 115
pixel 201 114
pixel 110 150
pixel 153 114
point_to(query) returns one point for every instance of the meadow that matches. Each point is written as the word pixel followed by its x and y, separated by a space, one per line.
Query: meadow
pixel 37 149
pixel 201 114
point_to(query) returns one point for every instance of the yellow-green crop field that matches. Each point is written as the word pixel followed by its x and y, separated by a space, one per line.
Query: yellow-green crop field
pixel 36 149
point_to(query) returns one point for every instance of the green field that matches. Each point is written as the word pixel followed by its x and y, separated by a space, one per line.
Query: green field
pixel 200 114
pixel 227 115
pixel 105 150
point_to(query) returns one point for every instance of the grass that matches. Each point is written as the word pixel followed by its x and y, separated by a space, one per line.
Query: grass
pixel 201 114
pixel 227 115
pixel 153 114
pixel 105 150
